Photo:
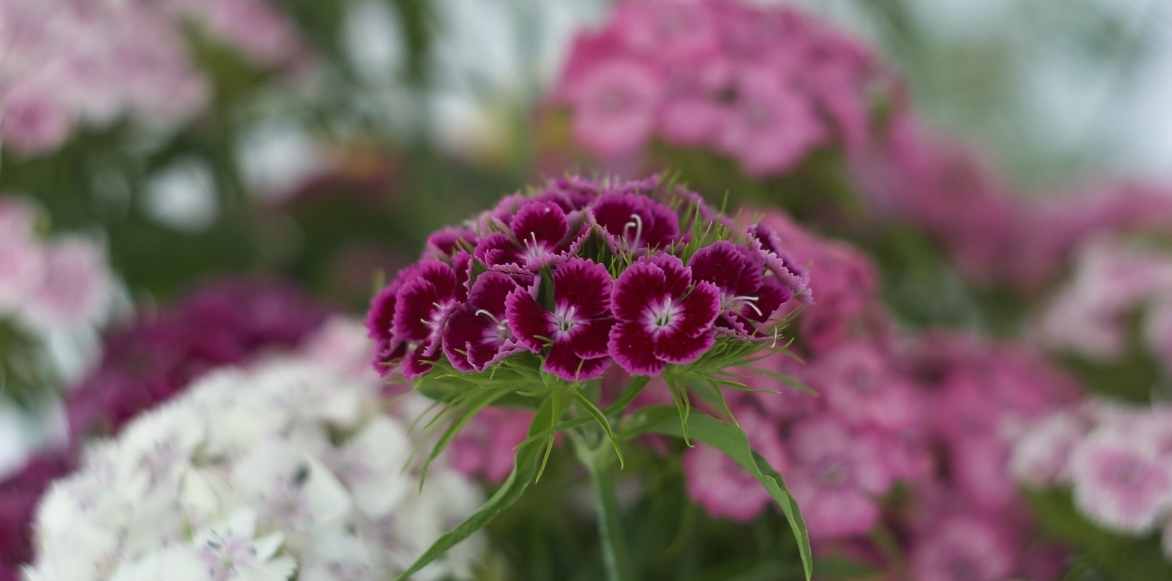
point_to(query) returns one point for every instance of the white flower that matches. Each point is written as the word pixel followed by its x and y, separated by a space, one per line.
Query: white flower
pixel 291 466
pixel 231 551
pixel 1041 456
pixel 179 563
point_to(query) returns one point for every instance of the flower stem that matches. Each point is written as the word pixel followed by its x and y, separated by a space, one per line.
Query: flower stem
pixel 614 549
pixel 595 454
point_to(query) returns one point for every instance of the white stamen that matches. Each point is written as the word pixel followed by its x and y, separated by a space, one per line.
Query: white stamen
pixel 749 301
pixel 484 313
pixel 636 223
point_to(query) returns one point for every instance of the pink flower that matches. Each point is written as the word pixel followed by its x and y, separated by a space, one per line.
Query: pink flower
pixel 836 477
pixel 1042 456
pixel 962 548
pixel 34 120
pixel 861 388
pixel 980 469
pixel 575 331
pixel 22 267
pixel 75 288
pixel 1120 483
pixel 681 29
pixel 662 316
pixel 769 127
pixel 722 487
pixel 488 445
pixel 616 105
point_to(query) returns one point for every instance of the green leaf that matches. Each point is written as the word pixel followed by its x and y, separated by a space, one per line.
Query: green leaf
pixel 557 406
pixel 545 294
pixel 475 403
pixel 679 397
pixel 732 441
pixel 600 418
pixel 633 389
pixel 524 472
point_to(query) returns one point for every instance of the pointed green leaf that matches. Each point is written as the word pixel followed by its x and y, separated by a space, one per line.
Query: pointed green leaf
pixel 633 389
pixel 732 441
pixel 601 420
pixel 524 473
pixel 469 409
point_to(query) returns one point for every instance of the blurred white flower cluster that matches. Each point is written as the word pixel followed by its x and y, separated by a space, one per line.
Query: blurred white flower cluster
pixel 295 465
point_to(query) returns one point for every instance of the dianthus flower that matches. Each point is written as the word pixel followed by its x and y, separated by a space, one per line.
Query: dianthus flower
pixel 150 361
pixel 534 301
pixel 254 473
pixel 765 86
pixel 70 64
pixel 591 274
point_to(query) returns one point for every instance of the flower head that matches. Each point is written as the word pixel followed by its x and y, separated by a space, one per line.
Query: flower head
pixel 540 232
pixel 1121 483
pixel 634 221
pixel 574 327
pixel 662 315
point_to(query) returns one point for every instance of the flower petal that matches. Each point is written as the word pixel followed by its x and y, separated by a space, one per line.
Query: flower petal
pixel 565 364
pixel 498 249
pixel 732 268
pixel 590 340
pixel 528 321
pixel 540 222
pixel 680 349
pixel 640 286
pixel 490 291
pixel 585 284
pixel 631 346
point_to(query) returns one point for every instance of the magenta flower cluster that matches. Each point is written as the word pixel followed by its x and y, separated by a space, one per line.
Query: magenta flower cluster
pixel 145 364
pixel 764 86
pixel 584 274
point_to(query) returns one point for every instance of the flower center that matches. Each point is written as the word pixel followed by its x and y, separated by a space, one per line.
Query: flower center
pixel 736 303
pixel 832 472
pixel 663 317
pixel 498 332
pixel 564 321
pixel 635 224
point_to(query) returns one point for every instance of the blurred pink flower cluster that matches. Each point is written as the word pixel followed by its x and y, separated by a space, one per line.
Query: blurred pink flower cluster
pixel 1116 459
pixel 60 284
pixel 764 86
pixel 1113 281
pixel 70 62
pixel 934 416
pixel 994 233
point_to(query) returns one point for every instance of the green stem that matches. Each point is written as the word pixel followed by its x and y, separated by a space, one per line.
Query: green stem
pixel 614 549
pixel 594 452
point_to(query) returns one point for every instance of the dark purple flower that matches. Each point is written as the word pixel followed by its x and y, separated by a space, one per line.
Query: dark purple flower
pixel 19 495
pixel 576 331
pixel 633 221
pixel 571 193
pixel 663 317
pixel 747 295
pixel 540 233
pixel 477 334
pixel 159 354
pixel 768 245
pixel 445 242
pixel 432 291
